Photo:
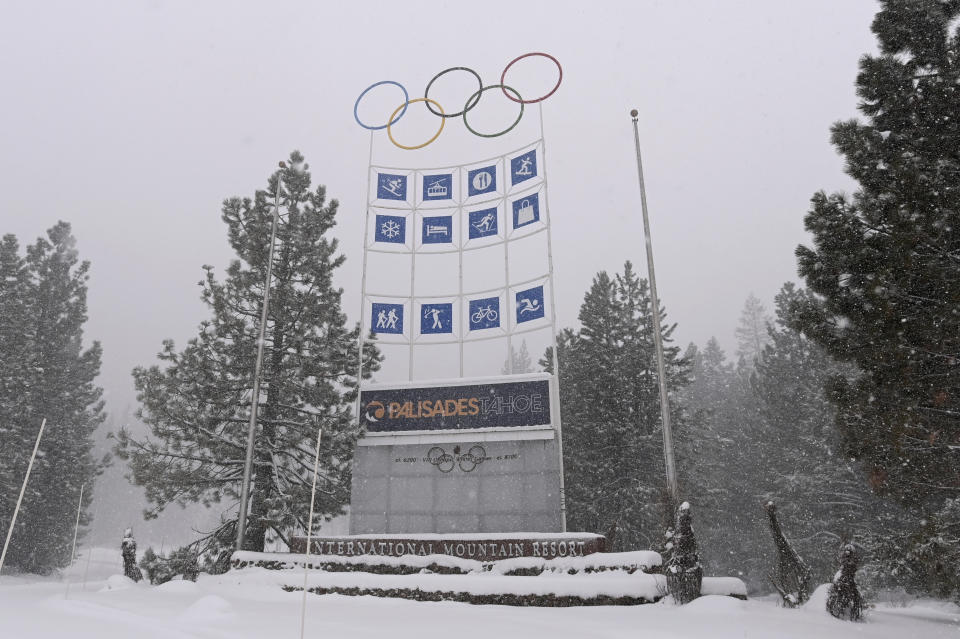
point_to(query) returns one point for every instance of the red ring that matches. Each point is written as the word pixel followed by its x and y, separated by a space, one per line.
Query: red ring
pixel 541 98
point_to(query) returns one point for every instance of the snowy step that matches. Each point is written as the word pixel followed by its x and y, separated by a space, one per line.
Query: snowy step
pixel 599 579
pixel 484 588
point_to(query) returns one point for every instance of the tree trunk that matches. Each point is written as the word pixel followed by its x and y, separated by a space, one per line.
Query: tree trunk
pixel 263 485
pixel 793 580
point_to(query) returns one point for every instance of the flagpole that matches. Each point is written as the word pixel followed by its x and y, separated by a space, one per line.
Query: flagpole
pixel 76 529
pixel 306 560
pixel 23 488
pixel 255 396
pixel 657 338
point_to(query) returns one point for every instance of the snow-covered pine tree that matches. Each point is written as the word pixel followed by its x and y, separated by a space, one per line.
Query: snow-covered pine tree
pixel 198 405
pixel 885 262
pixel 128 551
pixel 45 372
pixel 613 446
pixel 15 348
pixel 751 331
pixel 683 570
pixel 803 465
pixel 843 598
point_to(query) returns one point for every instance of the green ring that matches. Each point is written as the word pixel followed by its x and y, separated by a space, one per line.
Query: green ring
pixel 477 96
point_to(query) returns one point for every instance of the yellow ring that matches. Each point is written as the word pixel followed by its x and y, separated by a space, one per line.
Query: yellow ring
pixel 419 146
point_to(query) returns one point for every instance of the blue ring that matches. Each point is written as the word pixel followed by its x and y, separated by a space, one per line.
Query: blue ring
pixel 406 102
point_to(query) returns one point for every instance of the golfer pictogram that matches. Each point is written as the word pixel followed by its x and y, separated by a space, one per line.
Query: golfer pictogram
pixel 436 318
pixel 434 315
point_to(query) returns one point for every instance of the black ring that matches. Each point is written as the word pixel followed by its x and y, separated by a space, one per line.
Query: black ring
pixel 468 106
pixel 480 93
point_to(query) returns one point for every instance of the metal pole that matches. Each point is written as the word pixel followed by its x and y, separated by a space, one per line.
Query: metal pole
pixel 76 529
pixel 361 339
pixel 554 321
pixel 306 561
pixel 657 339
pixel 86 567
pixel 23 489
pixel 255 397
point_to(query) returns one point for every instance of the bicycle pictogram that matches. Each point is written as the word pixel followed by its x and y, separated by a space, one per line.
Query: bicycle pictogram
pixel 487 313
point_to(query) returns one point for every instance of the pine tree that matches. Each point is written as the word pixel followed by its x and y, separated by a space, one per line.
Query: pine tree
pixel 45 373
pixel 804 467
pixel 683 570
pixel 15 346
pixel 885 264
pixel 197 406
pixel 521 362
pixel 720 420
pixel 843 598
pixel 613 446
pixel 752 330
pixel 711 378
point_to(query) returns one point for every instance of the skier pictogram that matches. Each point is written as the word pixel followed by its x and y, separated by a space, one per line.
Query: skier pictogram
pixel 393 186
pixel 485 225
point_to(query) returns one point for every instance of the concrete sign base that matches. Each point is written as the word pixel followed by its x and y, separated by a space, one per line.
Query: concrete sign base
pixel 480 483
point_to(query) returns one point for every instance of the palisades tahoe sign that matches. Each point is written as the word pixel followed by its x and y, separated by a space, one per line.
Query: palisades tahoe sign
pixel 493 404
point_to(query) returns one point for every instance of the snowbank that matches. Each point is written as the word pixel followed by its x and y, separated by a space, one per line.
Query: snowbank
pixel 233 606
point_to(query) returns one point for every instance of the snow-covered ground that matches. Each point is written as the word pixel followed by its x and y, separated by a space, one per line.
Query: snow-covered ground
pixel 110 607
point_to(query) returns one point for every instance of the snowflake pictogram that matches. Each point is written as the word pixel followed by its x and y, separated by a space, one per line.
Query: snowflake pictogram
pixel 390 229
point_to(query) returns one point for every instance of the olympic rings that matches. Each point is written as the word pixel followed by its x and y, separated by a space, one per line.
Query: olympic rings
pixel 472 101
pixel 404 107
pixel 477 95
pixel 406 101
pixel 527 55
pixel 426 91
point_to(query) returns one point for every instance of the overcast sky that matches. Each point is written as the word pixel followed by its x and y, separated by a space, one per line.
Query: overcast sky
pixel 134 120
